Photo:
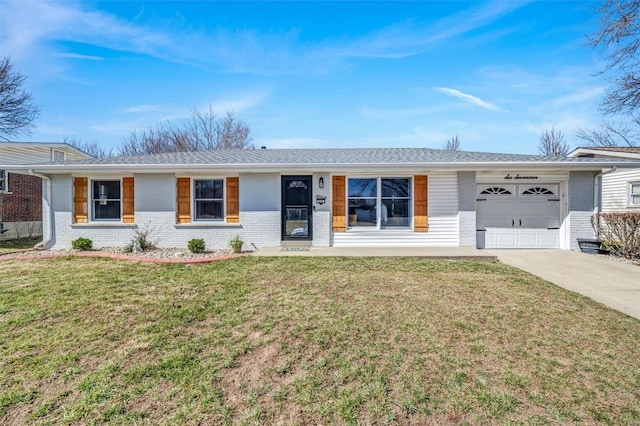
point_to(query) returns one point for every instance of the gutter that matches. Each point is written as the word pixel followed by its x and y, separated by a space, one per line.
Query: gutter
pixel 598 178
pixel 273 167
pixel 49 232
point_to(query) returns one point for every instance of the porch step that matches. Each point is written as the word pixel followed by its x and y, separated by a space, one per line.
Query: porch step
pixel 295 244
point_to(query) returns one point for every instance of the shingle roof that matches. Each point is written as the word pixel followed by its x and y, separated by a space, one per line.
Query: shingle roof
pixel 350 156
pixel 344 160
pixel 629 149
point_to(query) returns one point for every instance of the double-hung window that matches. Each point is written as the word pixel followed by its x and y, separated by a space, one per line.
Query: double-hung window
pixel 209 199
pixel 4 187
pixel 379 202
pixel 634 194
pixel 106 200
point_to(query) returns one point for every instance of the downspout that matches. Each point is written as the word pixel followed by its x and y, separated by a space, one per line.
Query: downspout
pixel 49 232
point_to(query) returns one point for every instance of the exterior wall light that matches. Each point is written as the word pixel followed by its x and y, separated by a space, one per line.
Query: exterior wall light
pixel 321 182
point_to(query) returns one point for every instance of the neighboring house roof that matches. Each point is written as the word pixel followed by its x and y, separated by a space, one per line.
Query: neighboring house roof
pixel 632 152
pixel 34 152
pixel 362 159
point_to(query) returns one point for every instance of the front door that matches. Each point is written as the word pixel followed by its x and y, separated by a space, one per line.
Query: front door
pixel 296 207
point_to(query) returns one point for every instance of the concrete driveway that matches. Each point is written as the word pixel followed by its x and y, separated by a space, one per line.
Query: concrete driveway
pixel 607 281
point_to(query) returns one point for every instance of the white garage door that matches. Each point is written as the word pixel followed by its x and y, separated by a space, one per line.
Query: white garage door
pixel 518 216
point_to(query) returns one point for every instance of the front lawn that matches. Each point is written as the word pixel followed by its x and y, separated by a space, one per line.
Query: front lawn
pixel 11 246
pixel 307 341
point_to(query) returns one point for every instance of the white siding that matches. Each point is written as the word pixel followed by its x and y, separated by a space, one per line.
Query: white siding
pixel 36 154
pixel 615 190
pixel 443 222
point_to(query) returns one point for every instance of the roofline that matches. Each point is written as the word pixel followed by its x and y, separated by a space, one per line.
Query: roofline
pixel 611 153
pixel 46 145
pixel 315 167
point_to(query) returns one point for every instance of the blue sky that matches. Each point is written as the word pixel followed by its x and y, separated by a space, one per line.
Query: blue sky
pixel 311 74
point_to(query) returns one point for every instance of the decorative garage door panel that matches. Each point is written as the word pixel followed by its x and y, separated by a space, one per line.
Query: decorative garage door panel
pixel 518 216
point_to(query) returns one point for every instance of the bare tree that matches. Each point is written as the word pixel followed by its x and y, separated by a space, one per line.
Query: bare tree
pixel 552 144
pixel 203 131
pixel 619 42
pixel 452 144
pixel 611 133
pixel 92 148
pixel 17 112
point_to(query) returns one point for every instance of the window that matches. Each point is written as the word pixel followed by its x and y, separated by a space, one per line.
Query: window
pixel 209 199
pixel 634 194
pixel 106 200
pixel 363 201
pixel 539 190
pixel 4 187
pixel 58 156
pixel 495 190
pixel 383 202
pixel 396 200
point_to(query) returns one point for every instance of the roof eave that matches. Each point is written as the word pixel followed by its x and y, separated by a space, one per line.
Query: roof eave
pixel 315 167
pixel 579 152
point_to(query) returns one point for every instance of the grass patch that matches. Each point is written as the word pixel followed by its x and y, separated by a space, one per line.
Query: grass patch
pixel 307 340
pixel 11 246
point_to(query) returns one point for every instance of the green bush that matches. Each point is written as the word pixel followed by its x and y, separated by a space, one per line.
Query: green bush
pixel 82 244
pixel 196 245
pixel 236 244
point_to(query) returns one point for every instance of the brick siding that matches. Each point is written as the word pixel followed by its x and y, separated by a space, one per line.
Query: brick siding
pixel 23 202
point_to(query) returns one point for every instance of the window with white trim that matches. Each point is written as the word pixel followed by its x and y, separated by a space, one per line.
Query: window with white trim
pixel 634 194
pixel 58 156
pixel 4 185
pixel 106 200
pixel 379 202
pixel 208 199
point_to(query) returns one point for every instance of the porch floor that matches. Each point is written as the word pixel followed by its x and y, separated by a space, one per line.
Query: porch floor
pixel 454 253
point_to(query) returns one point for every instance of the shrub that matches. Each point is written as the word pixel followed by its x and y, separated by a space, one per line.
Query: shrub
pixel 196 245
pixel 236 244
pixel 82 244
pixel 141 240
pixel 619 233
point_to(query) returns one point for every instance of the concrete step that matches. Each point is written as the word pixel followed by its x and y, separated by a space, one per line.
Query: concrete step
pixel 295 244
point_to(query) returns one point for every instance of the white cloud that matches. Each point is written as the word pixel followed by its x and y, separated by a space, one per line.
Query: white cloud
pixel 409 38
pixel 34 24
pixel 580 95
pixel 78 56
pixel 237 103
pixel 137 109
pixel 401 112
pixel 473 100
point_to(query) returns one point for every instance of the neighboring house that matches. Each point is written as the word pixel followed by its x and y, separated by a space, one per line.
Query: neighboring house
pixel 21 194
pixel 617 190
pixel 325 197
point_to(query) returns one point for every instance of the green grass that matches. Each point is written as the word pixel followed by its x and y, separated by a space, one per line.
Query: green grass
pixel 307 341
